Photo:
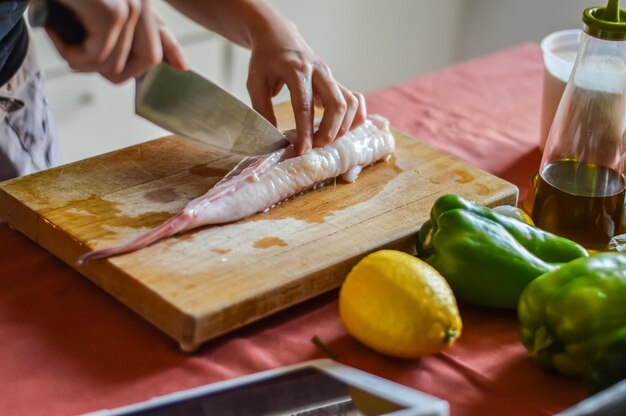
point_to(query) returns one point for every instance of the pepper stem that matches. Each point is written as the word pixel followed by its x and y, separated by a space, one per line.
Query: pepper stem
pixel 543 339
pixel 449 335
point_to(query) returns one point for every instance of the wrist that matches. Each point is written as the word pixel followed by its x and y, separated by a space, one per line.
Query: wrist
pixel 264 22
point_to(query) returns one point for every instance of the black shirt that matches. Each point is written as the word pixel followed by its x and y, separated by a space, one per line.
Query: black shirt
pixel 13 37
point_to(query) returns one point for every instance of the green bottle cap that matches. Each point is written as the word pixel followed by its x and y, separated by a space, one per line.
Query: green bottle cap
pixel 607 23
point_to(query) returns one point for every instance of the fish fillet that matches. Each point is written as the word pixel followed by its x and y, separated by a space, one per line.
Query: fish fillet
pixel 257 184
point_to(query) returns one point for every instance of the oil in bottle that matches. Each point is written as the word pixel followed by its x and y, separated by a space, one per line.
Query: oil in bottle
pixel 580 201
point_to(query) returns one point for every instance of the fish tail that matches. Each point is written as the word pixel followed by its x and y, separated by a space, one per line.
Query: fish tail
pixel 177 223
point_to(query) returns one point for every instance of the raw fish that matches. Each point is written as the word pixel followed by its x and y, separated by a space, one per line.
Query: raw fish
pixel 257 184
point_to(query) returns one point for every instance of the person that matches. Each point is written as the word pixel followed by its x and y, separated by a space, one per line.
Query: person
pixel 125 38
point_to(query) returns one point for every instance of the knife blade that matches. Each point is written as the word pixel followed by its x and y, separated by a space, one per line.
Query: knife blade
pixel 187 104
pixel 183 102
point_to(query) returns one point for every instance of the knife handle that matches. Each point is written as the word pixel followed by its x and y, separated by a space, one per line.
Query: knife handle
pixel 58 18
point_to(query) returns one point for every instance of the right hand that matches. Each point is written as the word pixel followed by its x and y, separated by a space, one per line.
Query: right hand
pixel 125 38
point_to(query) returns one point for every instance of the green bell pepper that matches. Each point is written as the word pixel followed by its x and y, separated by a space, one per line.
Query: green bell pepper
pixel 486 257
pixel 571 313
pixel 608 366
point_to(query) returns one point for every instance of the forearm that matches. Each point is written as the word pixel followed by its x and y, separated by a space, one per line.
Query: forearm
pixel 240 21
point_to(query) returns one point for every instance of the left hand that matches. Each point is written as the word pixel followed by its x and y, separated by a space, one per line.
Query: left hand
pixel 281 57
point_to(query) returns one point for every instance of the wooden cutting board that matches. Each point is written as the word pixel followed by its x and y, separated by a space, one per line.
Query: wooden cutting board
pixel 212 280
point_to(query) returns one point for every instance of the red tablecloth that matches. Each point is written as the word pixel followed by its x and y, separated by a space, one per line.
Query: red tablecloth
pixel 67 347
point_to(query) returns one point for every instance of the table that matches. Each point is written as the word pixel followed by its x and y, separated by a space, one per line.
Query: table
pixel 485 112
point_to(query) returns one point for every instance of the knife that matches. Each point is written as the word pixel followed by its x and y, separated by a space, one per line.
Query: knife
pixel 182 102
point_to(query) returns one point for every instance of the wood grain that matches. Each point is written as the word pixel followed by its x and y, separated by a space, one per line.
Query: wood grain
pixel 204 283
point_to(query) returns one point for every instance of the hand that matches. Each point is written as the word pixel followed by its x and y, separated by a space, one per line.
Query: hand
pixel 283 57
pixel 125 38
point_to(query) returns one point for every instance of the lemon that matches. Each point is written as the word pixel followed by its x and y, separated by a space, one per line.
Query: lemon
pixel 399 305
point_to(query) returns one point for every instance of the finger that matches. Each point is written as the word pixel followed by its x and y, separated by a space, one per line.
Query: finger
pixel 361 113
pixel 119 57
pixel 74 55
pixel 103 25
pixel 352 106
pixel 334 108
pixel 146 50
pixel 301 93
pixel 102 40
pixel 172 52
pixel 261 97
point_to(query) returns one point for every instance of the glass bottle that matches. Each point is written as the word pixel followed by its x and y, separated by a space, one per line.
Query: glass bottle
pixel 579 189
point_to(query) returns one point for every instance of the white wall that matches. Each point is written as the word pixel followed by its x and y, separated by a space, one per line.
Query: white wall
pixel 491 25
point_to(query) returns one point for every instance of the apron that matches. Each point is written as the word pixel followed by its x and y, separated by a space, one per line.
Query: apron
pixel 28 138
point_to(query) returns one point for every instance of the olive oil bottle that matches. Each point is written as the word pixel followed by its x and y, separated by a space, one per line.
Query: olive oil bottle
pixel 579 191
pixel 579 201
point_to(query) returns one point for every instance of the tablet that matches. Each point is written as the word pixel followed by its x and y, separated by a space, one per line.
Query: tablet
pixel 608 402
pixel 314 388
